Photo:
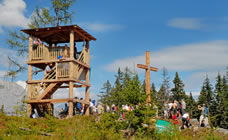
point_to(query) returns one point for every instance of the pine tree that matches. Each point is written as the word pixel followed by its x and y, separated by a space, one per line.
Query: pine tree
pixel 165 82
pixel 178 92
pixel 219 93
pixel 207 97
pixel 144 86
pixel 224 121
pixel 133 93
pixel 118 88
pixel 105 91
pixel 161 99
pixel 191 107
pixel 206 94
pixel 126 77
pixel 153 93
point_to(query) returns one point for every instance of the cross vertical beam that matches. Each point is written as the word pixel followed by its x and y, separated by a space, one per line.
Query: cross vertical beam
pixel 148 77
pixel 148 68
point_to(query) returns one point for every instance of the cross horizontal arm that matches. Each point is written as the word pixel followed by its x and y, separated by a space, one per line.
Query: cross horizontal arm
pixel 142 66
pixel 146 67
pixel 153 69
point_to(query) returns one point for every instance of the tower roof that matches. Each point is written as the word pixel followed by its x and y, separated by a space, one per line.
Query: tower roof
pixel 60 34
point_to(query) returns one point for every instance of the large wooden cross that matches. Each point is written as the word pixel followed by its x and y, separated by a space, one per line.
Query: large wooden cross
pixel 148 68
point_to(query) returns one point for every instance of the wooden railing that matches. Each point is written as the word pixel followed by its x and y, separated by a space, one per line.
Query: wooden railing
pixel 40 52
pixel 54 52
pixel 43 52
pixel 50 75
pixel 83 57
pixel 62 69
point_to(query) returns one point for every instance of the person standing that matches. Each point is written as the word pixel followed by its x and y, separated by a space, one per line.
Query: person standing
pixel 90 107
pixel 183 106
pixel 166 108
pixel 174 107
pixel 202 113
pixel 170 106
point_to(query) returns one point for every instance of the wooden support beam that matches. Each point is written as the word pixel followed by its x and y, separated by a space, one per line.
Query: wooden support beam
pixel 29 106
pixel 145 67
pixel 70 110
pixel 53 61
pixel 142 66
pixel 87 79
pixel 78 32
pixel 56 101
pixel 72 44
pixel 47 90
pixel 59 80
pixel 77 86
pixel 148 77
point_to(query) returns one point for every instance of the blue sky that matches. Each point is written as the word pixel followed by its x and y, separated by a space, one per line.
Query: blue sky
pixel 190 37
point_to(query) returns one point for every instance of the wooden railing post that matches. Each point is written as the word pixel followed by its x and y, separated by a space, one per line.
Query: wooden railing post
pixel 56 70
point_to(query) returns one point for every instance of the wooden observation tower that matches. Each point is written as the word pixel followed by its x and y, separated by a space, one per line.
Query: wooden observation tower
pixel 71 71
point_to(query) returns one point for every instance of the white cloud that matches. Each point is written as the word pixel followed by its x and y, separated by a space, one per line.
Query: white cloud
pixel 101 27
pixel 206 56
pixel 22 84
pixel 78 92
pixel 2 73
pixel 203 24
pixel 196 60
pixel 4 53
pixel 185 23
pixel 197 78
pixel 194 93
pixel 12 14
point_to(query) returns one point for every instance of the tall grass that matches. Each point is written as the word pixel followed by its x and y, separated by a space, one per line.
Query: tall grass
pixel 85 127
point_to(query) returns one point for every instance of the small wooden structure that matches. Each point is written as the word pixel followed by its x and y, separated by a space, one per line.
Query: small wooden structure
pixel 148 68
pixel 70 72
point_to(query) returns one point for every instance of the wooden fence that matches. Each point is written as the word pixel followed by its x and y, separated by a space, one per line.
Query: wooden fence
pixel 43 52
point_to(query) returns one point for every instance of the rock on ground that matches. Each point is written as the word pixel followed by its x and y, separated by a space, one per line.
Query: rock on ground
pixel 222 130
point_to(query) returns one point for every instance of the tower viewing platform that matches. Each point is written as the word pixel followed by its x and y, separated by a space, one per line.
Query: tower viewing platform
pixel 54 51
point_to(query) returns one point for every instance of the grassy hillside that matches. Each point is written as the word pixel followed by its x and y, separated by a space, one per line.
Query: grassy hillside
pixel 85 127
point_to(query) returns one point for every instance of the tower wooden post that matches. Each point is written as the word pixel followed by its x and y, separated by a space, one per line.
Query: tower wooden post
pixel 148 68
pixel 29 106
pixel 70 110
pixel 87 80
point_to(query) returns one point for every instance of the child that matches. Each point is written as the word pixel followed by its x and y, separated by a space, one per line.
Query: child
pixel 174 117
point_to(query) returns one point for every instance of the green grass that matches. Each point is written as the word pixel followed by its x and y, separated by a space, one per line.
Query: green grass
pixel 85 128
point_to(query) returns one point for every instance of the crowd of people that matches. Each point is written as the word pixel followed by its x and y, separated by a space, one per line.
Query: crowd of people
pixel 173 110
pixel 177 112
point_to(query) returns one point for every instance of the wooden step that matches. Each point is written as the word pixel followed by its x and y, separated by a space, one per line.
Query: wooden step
pixel 48 90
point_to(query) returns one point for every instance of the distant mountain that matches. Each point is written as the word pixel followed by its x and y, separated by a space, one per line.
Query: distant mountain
pixel 11 95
